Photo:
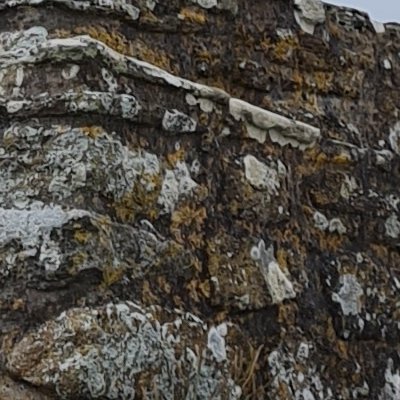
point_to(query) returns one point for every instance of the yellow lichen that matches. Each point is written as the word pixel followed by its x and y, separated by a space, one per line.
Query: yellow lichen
pixel 77 261
pixel 281 257
pixel 173 158
pixel 189 216
pixel 323 81
pixel 193 15
pixel 283 48
pixel 157 57
pixel 341 159
pixel 111 38
pixel 92 131
pixel 142 199
pixel 82 236
pixel 111 275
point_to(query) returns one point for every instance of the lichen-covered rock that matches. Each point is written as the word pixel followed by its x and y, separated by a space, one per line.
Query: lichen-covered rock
pixel 199 199
pixel 123 351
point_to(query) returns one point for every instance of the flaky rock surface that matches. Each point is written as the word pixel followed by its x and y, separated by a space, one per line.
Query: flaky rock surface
pixel 199 199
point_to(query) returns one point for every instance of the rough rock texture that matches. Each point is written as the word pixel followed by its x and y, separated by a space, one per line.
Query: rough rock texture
pixel 199 199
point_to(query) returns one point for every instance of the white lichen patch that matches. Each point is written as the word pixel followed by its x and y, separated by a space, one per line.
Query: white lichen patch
pixel 349 295
pixel 28 225
pixel 391 390
pixel 348 187
pixel 216 341
pixel 308 14
pixel 297 374
pixel 392 226
pixel 322 223
pixel 123 105
pixel 176 183
pixel 175 121
pixel 100 352
pixel 110 79
pixel 230 5
pixel 70 72
pixel 279 286
pixel 206 3
pixel 261 176
pixel 32 228
pixel 69 158
pixel 394 138
pixel 336 225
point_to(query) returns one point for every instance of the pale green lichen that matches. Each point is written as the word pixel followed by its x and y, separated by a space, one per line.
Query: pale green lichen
pixel 103 351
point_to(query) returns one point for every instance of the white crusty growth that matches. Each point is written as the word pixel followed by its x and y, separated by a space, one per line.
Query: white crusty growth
pixel 349 296
pixel 261 176
pixel 279 286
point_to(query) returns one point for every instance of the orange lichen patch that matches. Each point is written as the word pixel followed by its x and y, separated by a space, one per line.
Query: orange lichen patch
pixel 147 17
pixel 192 288
pixel 62 33
pixel 342 349
pixel 265 44
pixel 329 241
pixel 163 284
pixel 120 43
pixel 142 199
pixel 205 288
pixel 18 304
pixel 380 251
pixel 148 296
pixel 92 131
pixel 193 15
pixel 341 159
pixel 281 257
pixel 315 160
pixel 187 216
pixel 77 260
pixel 283 48
pixel 82 236
pixel 112 39
pixel 298 79
pixel 173 158
pixel 287 314
pixel 323 81
pixel 156 57
pixel 111 275
pixel 320 199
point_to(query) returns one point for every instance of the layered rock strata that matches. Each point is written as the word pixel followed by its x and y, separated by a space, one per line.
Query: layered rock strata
pixel 198 200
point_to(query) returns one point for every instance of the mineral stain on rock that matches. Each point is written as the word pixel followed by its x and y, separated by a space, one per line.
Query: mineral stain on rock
pixel 199 199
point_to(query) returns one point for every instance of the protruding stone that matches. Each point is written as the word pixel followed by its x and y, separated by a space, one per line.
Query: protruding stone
pixel 309 13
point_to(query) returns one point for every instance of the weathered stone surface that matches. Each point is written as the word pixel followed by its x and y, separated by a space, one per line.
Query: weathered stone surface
pixel 198 200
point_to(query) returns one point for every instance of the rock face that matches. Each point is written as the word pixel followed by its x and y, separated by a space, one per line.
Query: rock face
pixel 199 199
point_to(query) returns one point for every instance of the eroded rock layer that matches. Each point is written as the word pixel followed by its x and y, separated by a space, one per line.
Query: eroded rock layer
pixel 198 200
